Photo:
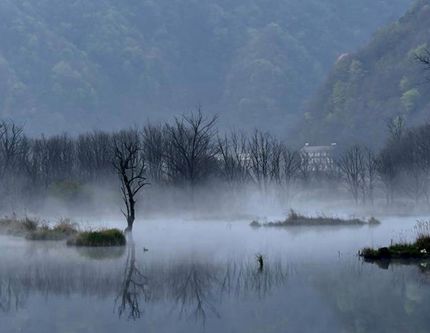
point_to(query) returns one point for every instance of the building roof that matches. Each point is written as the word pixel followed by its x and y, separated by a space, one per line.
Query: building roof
pixel 311 149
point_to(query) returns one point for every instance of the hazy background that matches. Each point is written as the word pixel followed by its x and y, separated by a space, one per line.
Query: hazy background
pixel 304 71
pixel 80 65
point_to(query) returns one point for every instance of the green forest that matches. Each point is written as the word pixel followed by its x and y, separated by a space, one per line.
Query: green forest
pixel 77 65
pixel 383 81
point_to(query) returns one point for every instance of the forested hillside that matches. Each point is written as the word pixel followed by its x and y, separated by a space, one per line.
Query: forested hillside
pixel 382 81
pixel 81 64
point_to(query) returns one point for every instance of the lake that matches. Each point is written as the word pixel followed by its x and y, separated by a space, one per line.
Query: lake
pixel 203 276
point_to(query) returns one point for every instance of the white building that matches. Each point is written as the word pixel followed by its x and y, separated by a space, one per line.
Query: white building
pixel 319 158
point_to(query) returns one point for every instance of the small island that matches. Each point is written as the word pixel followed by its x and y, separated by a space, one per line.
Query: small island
pixel 296 219
pixel 420 249
pixel 64 230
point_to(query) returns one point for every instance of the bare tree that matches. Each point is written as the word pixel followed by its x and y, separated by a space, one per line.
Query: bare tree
pixel 154 151
pixel 130 167
pixel 191 149
pixel 94 155
pixel 371 166
pixel 305 169
pixel 388 170
pixel 423 153
pixel 276 162
pixel 11 137
pixel 352 166
pixel 291 164
pixel 260 151
pixel 234 158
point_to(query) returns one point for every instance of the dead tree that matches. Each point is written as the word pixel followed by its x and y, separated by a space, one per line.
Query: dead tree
pixel 130 167
pixel 352 166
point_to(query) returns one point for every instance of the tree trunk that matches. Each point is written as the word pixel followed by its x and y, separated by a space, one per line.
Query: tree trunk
pixel 130 218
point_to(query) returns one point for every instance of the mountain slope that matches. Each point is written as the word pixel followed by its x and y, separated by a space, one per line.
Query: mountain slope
pixel 83 63
pixel 380 82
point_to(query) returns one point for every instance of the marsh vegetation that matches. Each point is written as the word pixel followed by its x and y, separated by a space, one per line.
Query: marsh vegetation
pixel 98 238
pixel 295 219
pixel 418 249
pixel 33 229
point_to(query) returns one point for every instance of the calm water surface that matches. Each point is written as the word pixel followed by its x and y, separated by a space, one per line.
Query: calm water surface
pixel 203 277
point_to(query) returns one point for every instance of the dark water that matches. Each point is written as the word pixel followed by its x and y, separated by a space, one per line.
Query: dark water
pixel 204 277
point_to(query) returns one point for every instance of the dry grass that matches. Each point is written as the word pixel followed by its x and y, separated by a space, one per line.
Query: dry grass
pixel 420 249
pixel 34 229
pixel 18 227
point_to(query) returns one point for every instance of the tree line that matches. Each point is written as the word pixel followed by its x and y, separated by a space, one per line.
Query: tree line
pixel 190 152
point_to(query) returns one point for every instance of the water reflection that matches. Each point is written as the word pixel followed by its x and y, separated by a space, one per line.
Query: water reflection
pixel 100 253
pixel 193 288
pixel 366 298
pixel 9 298
pixel 422 264
pixel 132 291
pixel 134 286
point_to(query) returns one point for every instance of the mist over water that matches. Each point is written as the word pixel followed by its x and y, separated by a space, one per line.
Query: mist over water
pixel 193 262
pixel 203 276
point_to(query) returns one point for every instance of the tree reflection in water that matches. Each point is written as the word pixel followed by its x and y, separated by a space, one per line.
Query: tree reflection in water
pixel 192 288
pixel 246 278
pixel 10 298
pixel 198 289
pixel 134 286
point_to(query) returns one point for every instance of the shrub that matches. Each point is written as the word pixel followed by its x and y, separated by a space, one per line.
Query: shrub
pixel 255 224
pixel 370 253
pixel 373 221
pixel 106 237
pixel 293 215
